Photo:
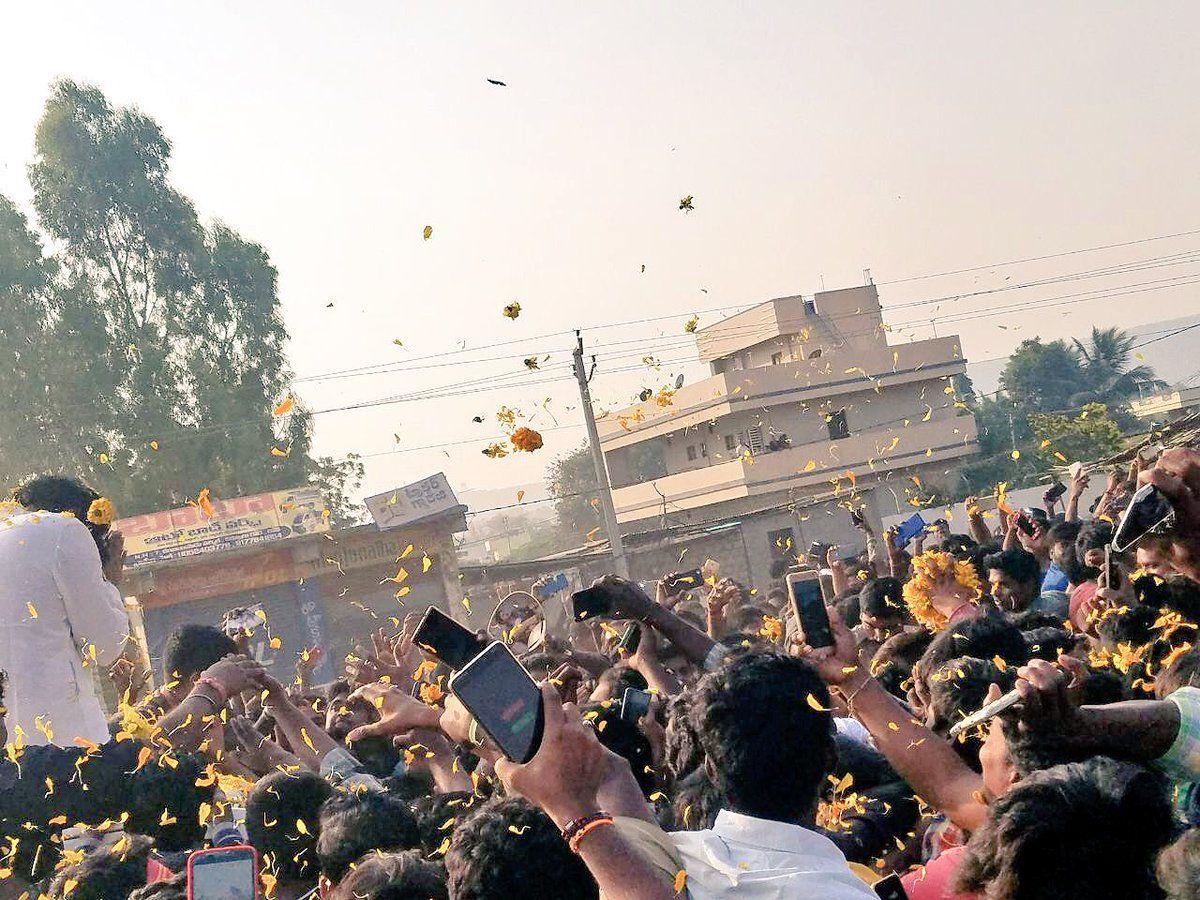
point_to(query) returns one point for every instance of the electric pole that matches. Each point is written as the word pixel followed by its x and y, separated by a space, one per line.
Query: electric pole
pixel 606 504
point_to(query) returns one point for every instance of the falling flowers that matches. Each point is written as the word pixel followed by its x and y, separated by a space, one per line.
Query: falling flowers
pixel 526 440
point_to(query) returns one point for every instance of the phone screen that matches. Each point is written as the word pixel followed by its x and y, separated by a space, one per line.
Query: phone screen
pixel 499 693
pixel 446 639
pixel 1148 511
pixel 809 604
pixel 890 888
pixel 684 581
pixel 909 529
pixel 591 602
pixel 227 873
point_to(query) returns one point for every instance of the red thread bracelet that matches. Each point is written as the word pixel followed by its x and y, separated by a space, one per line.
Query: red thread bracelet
pixel 576 829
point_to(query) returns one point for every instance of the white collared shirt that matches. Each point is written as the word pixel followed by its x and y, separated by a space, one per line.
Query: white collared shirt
pixel 55 608
pixel 743 856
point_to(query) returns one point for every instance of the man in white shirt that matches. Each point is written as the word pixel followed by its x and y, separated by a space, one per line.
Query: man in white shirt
pixel 769 747
pixel 58 608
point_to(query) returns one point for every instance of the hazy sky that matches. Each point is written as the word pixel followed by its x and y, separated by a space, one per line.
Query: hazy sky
pixel 816 138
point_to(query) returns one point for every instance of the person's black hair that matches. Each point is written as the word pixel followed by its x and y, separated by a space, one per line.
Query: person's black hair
pixel 164 801
pixel 103 874
pixel 893 662
pixel 1088 829
pixel 64 494
pixel 695 804
pixel 848 607
pixel 1073 565
pixel 1020 565
pixel 627 741
pixel 1095 534
pixel 628 677
pixel 681 742
pixel 1100 687
pixel 1065 532
pixel 192 648
pixel 1132 625
pixel 1032 619
pixel 960 546
pixel 985 636
pixel 356 822
pixel 768 747
pixel 977 558
pixel 437 814
pixel 958 689
pixel 1178 593
pixel 1049 642
pixel 409 786
pixel 883 598
pixel 393 876
pixel 510 848
pixel 1183 671
pixel 173 888
pixel 276 804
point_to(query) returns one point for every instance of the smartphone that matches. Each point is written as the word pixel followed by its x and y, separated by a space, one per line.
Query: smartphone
pixel 909 529
pixel 504 699
pixel 1112 574
pixel 683 581
pixel 1055 491
pixel 634 705
pixel 857 519
pixel 1025 523
pixel 630 639
pixel 591 602
pixel 223 873
pixel 243 620
pixel 804 588
pixel 450 642
pixel 817 550
pixel 1149 512
pixel 890 888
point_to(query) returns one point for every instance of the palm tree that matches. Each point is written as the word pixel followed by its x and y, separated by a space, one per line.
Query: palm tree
pixel 1108 375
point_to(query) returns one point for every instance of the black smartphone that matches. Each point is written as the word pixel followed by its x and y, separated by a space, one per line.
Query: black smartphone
pixel 592 602
pixel 1112 573
pixel 630 639
pixel 1055 491
pixel 1149 511
pixel 634 705
pixel 450 642
pixel 804 588
pixel 1025 522
pixel 683 581
pixel 817 550
pixel 857 518
pixel 504 699
pixel 890 888
pixel 222 873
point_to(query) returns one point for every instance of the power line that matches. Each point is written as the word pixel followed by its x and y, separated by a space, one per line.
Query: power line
pixel 1029 259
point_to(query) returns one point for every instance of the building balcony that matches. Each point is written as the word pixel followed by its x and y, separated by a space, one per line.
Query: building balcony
pixel 838 372
pixel 800 467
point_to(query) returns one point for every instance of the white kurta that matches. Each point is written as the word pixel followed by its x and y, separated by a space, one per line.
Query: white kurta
pixel 49 564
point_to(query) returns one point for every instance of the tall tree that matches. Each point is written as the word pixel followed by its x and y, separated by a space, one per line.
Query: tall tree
pixel 571 480
pixel 1109 375
pixel 161 342
pixel 1043 376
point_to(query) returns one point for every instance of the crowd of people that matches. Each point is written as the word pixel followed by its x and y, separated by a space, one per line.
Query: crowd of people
pixel 761 767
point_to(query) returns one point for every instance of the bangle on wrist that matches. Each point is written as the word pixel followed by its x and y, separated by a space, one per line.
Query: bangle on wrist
pixel 577 829
pixel 849 695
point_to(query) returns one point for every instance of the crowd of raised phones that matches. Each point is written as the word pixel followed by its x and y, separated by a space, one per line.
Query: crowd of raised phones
pixel 1006 707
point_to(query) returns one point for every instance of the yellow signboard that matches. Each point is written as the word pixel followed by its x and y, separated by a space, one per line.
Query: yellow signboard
pixel 239 522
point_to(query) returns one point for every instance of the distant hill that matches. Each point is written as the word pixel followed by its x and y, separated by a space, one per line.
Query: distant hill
pixel 1175 359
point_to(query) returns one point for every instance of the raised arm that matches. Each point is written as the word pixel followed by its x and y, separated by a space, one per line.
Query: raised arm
pixel 633 602
pixel 927 762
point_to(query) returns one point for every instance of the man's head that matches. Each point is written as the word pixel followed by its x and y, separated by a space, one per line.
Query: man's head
pixel 62 494
pixel 345 713
pixel 881 607
pixel 354 823
pixel 510 848
pixel 393 876
pixel 1089 829
pixel 1015 577
pixel 103 874
pixel 274 810
pixel 767 742
pixel 190 650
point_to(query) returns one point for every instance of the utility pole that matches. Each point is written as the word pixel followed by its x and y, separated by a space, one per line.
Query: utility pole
pixel 606 504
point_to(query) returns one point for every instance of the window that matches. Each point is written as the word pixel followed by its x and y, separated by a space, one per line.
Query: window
pixel 754 439
pixel 704 449
pixel 691 451
pixel 838 429
pixel 731 441
pixel 783 543
pixel 810 307
pixel 777 359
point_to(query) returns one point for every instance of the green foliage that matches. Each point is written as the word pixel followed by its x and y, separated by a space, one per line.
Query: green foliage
pixel 569 474
pixel 1089 435
pixel 1043 376
pixel 144 326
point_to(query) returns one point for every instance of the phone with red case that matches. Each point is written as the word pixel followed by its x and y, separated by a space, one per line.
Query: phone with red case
pixel 223 873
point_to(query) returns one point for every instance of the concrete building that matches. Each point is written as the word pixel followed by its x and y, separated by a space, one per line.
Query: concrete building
pixel 807 401
pixel 1168 406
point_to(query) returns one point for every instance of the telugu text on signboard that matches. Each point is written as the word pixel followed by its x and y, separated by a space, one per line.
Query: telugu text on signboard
pixel 425 498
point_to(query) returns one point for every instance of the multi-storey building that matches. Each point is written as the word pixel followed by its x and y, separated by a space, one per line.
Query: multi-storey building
pixel 807 400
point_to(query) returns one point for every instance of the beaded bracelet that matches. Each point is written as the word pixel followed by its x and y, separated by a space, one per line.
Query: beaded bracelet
pixel 577 829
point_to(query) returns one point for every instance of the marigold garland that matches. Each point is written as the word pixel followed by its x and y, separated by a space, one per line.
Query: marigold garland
pixel 931 570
